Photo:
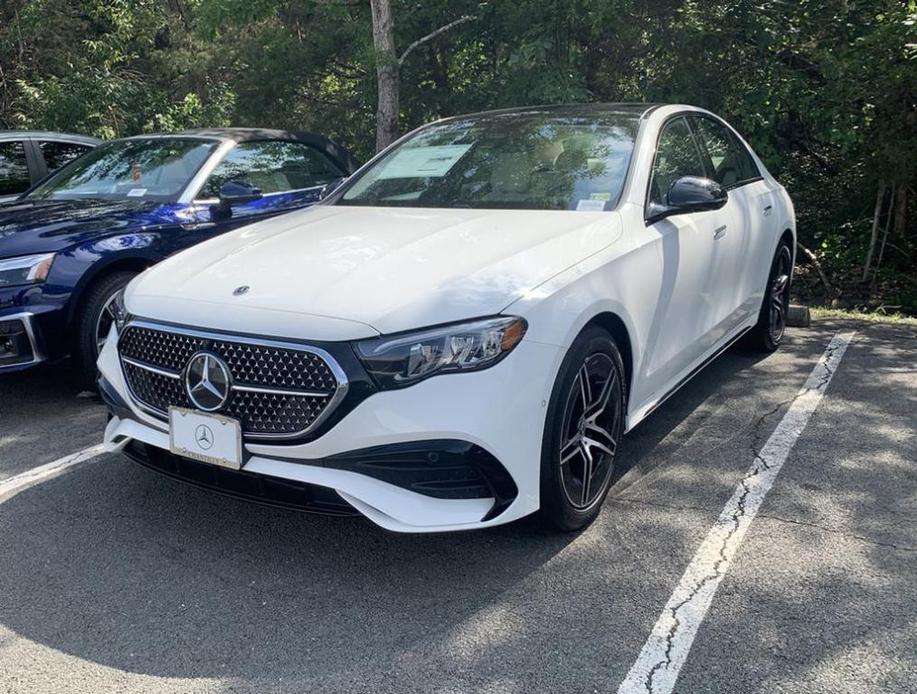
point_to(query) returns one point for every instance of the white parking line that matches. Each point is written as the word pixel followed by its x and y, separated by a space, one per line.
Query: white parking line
pixel 664 653
pixel 15 484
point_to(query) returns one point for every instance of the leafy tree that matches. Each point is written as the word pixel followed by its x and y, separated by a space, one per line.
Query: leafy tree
pixel 824 90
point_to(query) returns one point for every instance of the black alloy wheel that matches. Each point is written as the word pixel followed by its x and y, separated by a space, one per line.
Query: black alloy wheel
pixel 583 431
pixel 93 324
pixel 771 326
pixel 779 293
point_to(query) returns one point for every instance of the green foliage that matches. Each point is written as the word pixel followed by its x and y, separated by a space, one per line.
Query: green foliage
pixel 824 90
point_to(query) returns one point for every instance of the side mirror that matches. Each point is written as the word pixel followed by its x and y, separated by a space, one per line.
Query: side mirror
pixel 234 193
pixel 690 194
pixel 238 193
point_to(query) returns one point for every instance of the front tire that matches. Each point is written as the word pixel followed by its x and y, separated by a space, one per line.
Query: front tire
pixel 771 326
pixel 585 422
pixel 93 324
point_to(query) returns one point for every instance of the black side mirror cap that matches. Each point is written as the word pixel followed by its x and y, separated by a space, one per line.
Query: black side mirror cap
pixel 238 193
pixel 234 193
pixel 689 194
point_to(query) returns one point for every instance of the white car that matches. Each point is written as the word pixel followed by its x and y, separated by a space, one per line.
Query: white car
pixel 461 334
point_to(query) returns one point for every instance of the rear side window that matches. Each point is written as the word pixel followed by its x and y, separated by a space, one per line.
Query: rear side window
pixel 14 169
pixel 274 167
pixel 677 155
pixel 730 163
pixel 57 154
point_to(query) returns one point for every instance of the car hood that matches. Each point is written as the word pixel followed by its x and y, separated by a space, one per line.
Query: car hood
pixel 337 272
pixel 44 226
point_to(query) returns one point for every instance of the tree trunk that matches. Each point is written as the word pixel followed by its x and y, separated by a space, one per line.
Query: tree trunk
pixel 874 236
pixel 901 209
pixel 888 224
pixel 387 76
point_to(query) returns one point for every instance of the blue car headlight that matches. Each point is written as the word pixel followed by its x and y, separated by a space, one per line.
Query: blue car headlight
pixel 396 361
pixel 25 269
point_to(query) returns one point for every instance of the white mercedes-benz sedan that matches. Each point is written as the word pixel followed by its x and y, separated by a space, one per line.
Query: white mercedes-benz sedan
pixel 460 335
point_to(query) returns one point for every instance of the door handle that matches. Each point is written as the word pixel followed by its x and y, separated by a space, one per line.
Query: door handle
pixel 719 232
pixel 768 210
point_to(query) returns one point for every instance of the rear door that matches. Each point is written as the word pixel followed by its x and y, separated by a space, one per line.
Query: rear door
pixel 53 154
pixel 15 176
pixel 290 175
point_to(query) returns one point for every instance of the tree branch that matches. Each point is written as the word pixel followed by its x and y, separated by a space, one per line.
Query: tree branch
pixel 433 35
pixel 813 259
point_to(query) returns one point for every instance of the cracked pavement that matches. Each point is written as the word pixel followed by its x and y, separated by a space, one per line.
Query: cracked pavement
pixel 114 579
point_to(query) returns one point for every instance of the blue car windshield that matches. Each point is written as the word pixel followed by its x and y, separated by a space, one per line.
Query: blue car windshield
pixel 154 168
pixel 538 160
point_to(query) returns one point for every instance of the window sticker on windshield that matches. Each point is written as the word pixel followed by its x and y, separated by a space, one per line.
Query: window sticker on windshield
pixel 136 192
pixel 590 205
pixel 420 162
pixel 604 197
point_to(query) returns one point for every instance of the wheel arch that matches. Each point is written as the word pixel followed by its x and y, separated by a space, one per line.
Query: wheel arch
pixel 615 326
pixel 788 236
pixel 100 270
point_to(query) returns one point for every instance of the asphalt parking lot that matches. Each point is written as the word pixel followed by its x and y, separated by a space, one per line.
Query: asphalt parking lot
pixel 113 579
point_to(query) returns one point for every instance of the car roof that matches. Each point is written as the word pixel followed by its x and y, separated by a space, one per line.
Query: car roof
pixel 317 140
pixel 636 109
pixel 252 134
pixel 47 135
pixel 236 134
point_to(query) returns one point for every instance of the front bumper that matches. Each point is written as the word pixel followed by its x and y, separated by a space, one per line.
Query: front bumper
pixel 19 347
pixel 454 452
pixel 30 328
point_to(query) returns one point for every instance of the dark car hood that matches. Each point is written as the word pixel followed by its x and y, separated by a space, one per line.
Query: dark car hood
pixel 44 226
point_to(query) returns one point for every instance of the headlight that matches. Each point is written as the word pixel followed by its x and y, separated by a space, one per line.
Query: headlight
pixel 26 269
pixel 401 360
pixel 119 314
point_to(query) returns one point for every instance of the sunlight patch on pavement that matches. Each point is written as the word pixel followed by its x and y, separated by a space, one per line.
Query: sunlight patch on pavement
pixel 15 484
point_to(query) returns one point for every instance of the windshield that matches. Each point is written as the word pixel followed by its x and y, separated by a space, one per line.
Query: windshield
pixel 155 168
pixel 538 161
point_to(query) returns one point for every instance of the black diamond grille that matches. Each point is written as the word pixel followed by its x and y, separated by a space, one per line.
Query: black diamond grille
pixel 280 369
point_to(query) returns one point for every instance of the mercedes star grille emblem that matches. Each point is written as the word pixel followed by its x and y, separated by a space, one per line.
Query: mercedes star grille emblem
pixel 207 381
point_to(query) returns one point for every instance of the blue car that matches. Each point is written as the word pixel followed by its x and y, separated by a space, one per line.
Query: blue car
pixel 69 245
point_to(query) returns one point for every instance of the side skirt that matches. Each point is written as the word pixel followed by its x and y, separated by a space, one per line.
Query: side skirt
pixel 691 374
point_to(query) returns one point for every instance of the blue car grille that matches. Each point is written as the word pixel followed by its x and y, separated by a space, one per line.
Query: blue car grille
pixel 279 390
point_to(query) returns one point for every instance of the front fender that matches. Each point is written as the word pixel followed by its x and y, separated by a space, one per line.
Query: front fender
pixel 76 268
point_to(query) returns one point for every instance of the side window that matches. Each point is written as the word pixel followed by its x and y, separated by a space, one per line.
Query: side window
pixel 14 169
pixel 747 167
pixel 677 155
pixel 274 167
pixel 57 154
pixel 732 164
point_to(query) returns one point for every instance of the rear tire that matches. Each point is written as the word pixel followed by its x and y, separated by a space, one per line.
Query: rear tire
pixel 768 332
pixel 93 323
pixel 584 425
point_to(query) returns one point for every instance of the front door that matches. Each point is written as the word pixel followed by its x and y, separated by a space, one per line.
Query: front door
pixel 693 297
pixel 750 204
